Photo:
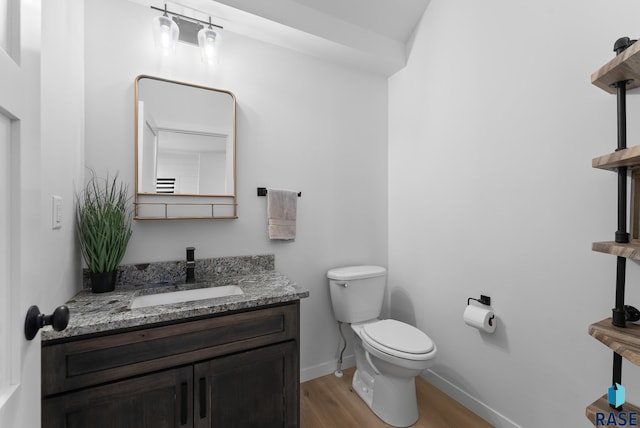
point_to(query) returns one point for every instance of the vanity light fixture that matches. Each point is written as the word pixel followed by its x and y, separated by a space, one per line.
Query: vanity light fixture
pixel 165 32
pixel 188 30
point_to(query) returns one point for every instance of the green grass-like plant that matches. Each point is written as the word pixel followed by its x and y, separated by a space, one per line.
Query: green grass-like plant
pixel 103 222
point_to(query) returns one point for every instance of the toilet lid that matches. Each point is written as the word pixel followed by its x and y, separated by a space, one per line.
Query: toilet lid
pixel 398 336
pixel 349 273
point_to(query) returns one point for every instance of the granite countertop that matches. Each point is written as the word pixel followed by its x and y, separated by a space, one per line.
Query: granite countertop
pixel 98 313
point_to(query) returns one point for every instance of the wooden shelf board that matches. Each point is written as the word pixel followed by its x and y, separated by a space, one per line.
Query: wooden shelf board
pixel 623 341
pixel 625 66
pixel 601 405
pixel 628 157
pixel 630 250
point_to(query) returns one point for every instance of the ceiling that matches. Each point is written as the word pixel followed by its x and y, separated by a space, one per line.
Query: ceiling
pixel 367 34
pixel 390 18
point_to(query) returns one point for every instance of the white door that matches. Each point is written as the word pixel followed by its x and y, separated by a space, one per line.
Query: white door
pixel 20 22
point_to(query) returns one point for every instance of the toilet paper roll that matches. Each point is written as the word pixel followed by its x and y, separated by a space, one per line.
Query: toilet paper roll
pixel 479 317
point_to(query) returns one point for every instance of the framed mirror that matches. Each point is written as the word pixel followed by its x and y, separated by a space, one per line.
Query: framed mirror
pixel 185 150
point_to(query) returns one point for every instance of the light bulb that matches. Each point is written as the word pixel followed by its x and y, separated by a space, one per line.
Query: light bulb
pixel 207 42
pixel 165 32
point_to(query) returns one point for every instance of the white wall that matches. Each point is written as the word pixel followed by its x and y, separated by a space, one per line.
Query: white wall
pixel 301 123
pixel 61 164
pixel 492 128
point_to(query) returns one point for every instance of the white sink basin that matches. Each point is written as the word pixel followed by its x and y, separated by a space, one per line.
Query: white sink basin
pixel 185 296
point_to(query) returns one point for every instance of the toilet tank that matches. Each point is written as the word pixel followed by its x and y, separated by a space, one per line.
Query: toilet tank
pixel 357 292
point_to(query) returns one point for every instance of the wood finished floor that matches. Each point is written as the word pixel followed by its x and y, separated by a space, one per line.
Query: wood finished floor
pixel 329 402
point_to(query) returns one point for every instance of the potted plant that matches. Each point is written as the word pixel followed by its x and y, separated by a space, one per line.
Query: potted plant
pixel 103 222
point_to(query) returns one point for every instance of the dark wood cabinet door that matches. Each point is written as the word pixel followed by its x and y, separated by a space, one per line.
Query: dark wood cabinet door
pixel 257 388
pixel 160 400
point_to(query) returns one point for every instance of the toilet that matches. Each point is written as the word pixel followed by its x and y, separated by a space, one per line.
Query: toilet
pixel 389 353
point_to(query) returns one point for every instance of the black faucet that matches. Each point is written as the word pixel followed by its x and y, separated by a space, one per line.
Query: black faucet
pixel 191 265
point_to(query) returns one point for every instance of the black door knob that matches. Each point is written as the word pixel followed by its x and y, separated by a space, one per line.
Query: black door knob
pixel 35 320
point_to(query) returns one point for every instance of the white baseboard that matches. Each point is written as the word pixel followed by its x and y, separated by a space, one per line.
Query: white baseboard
pixel 468 401
pixel 323 369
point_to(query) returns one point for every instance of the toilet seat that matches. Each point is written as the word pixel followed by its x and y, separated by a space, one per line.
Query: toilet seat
pixel 398 339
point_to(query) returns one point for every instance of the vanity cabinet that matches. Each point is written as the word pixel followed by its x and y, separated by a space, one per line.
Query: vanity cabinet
pixel 234 370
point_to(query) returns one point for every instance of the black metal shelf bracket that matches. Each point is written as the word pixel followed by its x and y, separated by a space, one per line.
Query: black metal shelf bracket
pixel 621 235
pixel 619 312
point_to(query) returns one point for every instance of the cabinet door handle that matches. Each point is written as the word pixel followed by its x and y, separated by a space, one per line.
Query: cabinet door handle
pixel 184 405
pixel 203 398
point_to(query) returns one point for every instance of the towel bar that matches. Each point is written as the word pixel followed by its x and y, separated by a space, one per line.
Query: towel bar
pixel 262 191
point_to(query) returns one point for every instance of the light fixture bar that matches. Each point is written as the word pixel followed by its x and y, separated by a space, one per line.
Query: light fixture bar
pixel 186 17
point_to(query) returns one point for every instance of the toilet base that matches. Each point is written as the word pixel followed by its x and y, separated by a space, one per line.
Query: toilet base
pixel 362 384
pixel 392 399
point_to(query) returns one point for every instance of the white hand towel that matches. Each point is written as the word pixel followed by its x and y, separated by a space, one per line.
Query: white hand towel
pixel 282 207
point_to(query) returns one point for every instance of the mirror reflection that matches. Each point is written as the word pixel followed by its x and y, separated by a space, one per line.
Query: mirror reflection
pixel 185 151
pixel 185 139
